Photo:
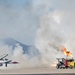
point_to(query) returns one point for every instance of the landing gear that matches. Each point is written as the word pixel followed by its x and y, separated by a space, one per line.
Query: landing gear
pixel 1 64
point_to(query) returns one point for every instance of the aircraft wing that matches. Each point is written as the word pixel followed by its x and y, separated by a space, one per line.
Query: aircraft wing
pixel 5 61
pixel 3 57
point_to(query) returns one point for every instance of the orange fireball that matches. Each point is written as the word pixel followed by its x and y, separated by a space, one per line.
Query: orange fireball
pixel 67 53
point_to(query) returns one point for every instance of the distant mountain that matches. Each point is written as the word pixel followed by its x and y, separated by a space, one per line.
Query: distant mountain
pixel 27 49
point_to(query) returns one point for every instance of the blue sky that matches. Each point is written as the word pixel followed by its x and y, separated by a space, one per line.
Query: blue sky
pixel 14 3
pixel 20 19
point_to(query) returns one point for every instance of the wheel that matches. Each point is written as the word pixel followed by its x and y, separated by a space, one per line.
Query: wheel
pixel 1 64
pixel 66 67
pixel 61 67
pixel 74 64
pixel 71 67
pixel 57 66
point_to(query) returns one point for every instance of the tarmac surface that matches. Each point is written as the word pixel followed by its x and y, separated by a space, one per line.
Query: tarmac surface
pixel 47 71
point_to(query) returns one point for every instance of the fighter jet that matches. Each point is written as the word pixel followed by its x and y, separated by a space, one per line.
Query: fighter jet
pixel 4 60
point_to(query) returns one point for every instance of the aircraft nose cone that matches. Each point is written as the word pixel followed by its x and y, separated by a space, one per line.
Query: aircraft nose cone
pixel 15 62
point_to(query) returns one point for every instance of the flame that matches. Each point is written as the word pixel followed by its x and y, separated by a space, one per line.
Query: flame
pixel 54 64
pixel 67 53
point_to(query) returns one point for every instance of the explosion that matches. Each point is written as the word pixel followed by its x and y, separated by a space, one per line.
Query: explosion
pixel 67 53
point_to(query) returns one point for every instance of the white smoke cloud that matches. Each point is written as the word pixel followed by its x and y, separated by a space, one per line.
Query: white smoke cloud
pixel 22 22
pixel 56 29
pixel 18 23
pixel 24 60
pixel 5 49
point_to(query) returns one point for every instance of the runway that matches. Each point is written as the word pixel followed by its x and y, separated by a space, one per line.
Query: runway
pixel 37 71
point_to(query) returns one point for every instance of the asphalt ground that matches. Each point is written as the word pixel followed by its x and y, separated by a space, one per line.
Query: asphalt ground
pixel 38 71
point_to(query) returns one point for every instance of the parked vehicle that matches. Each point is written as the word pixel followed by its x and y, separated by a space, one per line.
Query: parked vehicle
pixel 65 63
